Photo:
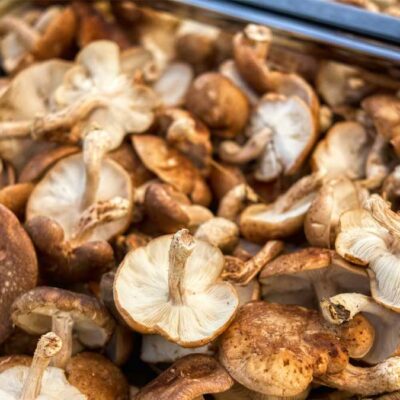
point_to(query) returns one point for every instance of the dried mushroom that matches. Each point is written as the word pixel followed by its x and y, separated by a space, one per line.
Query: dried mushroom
pixel 171 287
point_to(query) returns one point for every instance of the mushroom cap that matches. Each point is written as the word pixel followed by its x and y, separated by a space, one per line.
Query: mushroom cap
pixel 96 377
pixel 141 294
pixel 278 349
pixel 219 103
pixel 294 132
pixel 18 266
pixel 288 279
pixel 343 151
pixel 15 197
pixel 188 378
pixel 32 311
pixel 167 163
pixel 59 195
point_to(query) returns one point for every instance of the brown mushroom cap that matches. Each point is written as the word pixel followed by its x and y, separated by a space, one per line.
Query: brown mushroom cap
pixel 15 197
pixel 32 311
pixel 188 378
pixel 18 266
pixel 219 103
pixel 278 349
pixel 96 377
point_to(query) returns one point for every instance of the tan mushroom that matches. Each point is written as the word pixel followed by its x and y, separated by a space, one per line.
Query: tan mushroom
pixel 172 167
pixel 45 309
pixel 335 197
pixel 219 103
pixel 50 35
pixel 187 379
pixel 70 222
pixel 282 218
pixel 306 276
pixel 277 350
pixel 18 266
pixel 171 210
pixel 178 296
pixel 224 177
pixel 369 236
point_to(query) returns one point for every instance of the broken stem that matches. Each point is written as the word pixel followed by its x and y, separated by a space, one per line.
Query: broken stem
pixel 48 346
pixel 181 248
pixel 62 325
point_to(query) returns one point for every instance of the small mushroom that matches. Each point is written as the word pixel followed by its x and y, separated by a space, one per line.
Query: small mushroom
pixel 344 307
pixel 219 232
pixel 278 349
pixel 66 313
pixel 70 223
pixel 343 151
pixel 369 236
pixel 306 276
pixel 177 294
pixel 187 379
pixel 171 210
pixel 335 197
pixel 242 272
pixel 172 167
pixel 220 104
pixel 282 218
pixel 18 266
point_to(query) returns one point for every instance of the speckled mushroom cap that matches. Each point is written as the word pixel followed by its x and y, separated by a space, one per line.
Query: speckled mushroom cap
pixel 18 266
pixel 32 311
pixel 278 349
pixel 96 377
pixel 188 378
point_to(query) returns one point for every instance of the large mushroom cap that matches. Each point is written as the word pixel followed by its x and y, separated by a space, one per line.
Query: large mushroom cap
pixel 278 349
pixel 59 196
pixel 188 378
pixel 171 287
pixel 18 266
pixel 92 323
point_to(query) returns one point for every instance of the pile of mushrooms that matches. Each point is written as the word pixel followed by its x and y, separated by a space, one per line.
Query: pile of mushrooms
pixel 390 7
pixel 188 213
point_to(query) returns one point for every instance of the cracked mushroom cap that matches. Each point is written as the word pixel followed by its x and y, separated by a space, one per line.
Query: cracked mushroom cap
pixel 59 195
pixel 219 103
pixel 343 151
pixel 293 131
pixel 171 287
pixel 171 167
pixel 33 312
pixel 18 266
pixel 306 276
pixel 187 379
pixel 369 237
pixel 277 349
pixel 284 217
pixel 336 196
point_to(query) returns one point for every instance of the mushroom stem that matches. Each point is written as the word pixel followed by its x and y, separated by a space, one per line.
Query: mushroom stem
pixel 181 248
pixel 61 121
pixel 26 34
pixel 197 214
pixel 96 144
pixel 100 213
pixel 48 346
pixel 381 378
pixel 62 324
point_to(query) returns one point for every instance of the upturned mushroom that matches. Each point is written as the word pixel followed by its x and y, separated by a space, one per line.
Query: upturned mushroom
pixel 70 221
pixel 66 313
pixel 220 104
pixel 283 217
pixel 18 266
pixel 171 210
pixel 306 276
pixel 369 236
pixel 344 307
pixel 170 287
pixel 278 350
pixel 187 379
pixel 336 196
pixel 32 38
